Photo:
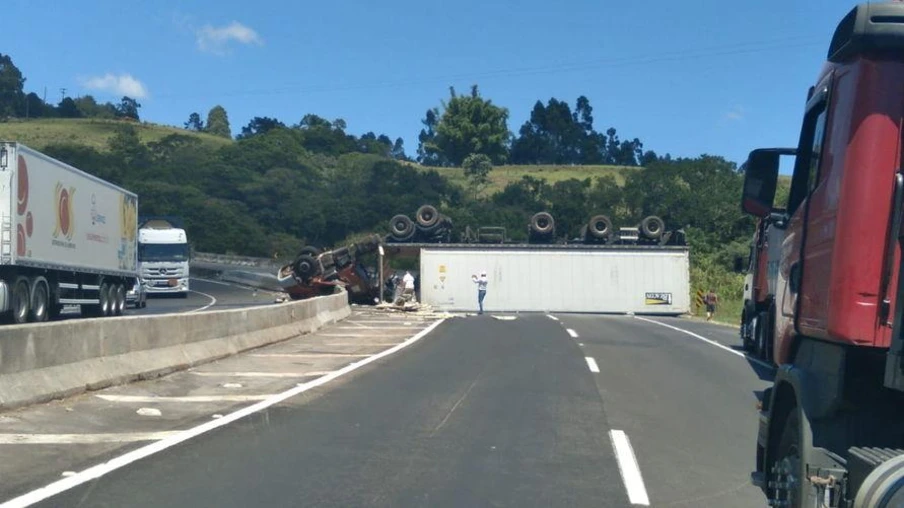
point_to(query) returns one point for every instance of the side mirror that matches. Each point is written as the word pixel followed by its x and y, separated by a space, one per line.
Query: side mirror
pixel 761 179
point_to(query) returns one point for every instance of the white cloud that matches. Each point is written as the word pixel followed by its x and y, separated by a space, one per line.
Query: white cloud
pixel 122 84
pixel 736 113
pixel 215 39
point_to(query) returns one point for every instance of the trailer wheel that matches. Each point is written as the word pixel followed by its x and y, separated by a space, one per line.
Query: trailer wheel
pixel 40 301
pixel 652 227
pixel 21 307
pixel 427 216
pixel 119 299
pixel 542 223
pixel 305 266
pixel 106 297
pixel 600 227
pixel 401 227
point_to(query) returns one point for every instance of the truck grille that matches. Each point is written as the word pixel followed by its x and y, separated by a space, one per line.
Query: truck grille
pixel 164 272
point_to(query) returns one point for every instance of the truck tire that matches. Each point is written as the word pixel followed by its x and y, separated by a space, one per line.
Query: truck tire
pixel 40 301
pixel 310 250
pixel 305 266
pixel 652 227
pixel 106 300
pixel 21 301
pixel 599 227
pixel 789 464
pixel 402 228
pixel 427 216
pixel 119 299
pixel 542 223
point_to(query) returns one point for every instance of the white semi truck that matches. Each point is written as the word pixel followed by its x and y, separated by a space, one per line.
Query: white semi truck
pixel 66 238
pixel 163 256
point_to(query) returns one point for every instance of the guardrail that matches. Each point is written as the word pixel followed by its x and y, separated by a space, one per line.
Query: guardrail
pixel 41 362
pixel 242 261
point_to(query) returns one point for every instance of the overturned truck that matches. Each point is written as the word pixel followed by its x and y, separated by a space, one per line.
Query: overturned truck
pixel 315 273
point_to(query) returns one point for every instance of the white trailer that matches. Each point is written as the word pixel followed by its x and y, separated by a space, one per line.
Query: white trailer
pixel 565 278
pixel 66 238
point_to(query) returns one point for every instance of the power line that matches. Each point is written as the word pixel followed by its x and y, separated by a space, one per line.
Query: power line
pixel 674 56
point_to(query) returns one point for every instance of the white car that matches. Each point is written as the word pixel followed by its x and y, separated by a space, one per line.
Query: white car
pixel 138 295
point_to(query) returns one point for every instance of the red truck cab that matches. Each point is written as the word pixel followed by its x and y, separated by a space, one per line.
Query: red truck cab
pixel 832 425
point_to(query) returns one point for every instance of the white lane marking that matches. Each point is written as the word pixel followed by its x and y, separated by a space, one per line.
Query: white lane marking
pixel 127 437
pixel 188 398
pixel 573 333
pixel 353 335
pixel 708 341
pixel 213 282
pixel 99 470
pixel 505 318
pixel 592 364
pixel 363 344
pixel 263 374
pixel 362 327
pixel 213 301
pixel 149 411
pixel 627 466
pixel 308 355
pixel 550 316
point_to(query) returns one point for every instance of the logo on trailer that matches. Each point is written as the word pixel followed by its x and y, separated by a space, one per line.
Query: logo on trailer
pixel 658 299
pixel 96 218
pixel 65 219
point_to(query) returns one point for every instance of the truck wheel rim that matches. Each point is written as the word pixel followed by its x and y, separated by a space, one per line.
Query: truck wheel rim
pixel 21 302
pixel 40 302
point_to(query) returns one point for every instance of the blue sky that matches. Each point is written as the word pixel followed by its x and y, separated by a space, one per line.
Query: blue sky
pixel 689 77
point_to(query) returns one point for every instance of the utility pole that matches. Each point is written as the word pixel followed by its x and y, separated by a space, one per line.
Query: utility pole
pixel 62 94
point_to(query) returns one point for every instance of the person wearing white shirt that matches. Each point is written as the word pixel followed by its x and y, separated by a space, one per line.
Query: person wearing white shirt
pixel 481 288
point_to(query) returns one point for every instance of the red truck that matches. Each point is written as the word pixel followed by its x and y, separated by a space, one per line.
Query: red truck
pixel 831 426
pixel 758 313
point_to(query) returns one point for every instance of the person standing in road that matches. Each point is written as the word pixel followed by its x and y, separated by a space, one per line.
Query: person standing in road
pixel 481 288
pixel 710 300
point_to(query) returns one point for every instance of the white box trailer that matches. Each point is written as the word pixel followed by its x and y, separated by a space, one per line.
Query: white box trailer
pixel 567 278
pixel 66 238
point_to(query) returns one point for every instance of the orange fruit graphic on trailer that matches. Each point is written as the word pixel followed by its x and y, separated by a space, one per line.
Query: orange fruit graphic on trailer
pixel 22 204
pixel 64 217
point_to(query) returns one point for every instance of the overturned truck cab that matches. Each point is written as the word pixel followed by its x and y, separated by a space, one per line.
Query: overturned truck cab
pixel 315 273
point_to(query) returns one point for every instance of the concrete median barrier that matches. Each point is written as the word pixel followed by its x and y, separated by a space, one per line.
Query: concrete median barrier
pixel 42 362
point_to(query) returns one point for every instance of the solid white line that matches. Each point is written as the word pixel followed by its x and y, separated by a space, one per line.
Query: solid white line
pixel 213 301
pixel 362 344
pixel 263 374
pixel 708 341
pixel 353 335
pixel 128 437
pixel 213 282
pixel 550 316
pixel 189 398
pixel 627 466
pixel 592 364
pixel 145 451
pixel 362 327
pixel 308 355
pixel 573 333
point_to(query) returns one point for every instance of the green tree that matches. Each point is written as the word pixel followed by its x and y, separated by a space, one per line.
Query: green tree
pixel 471 124
pixel 67 108
pixel 37 108
pixel 12 98
pixel 218 122
pixel 259 125
pixel 194 123
pixel 477 167
pixel 128 108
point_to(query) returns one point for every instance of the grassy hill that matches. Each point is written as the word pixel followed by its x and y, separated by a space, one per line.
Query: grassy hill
pixel 92 132
pixel 503 175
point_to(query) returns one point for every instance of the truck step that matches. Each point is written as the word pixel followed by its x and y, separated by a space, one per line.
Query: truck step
pixel 863 459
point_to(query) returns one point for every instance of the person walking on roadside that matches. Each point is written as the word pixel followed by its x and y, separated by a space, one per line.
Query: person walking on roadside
pixel 710 300
pixel 481 288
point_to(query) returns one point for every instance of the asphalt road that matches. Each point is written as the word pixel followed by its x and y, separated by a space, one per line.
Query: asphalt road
pixel 535 411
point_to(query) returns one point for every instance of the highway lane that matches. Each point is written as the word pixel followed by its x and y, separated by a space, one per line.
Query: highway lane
pixel 484 412
pixel 206 295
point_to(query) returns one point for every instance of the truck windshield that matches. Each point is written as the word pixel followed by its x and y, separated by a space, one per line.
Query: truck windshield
pixel 162 252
